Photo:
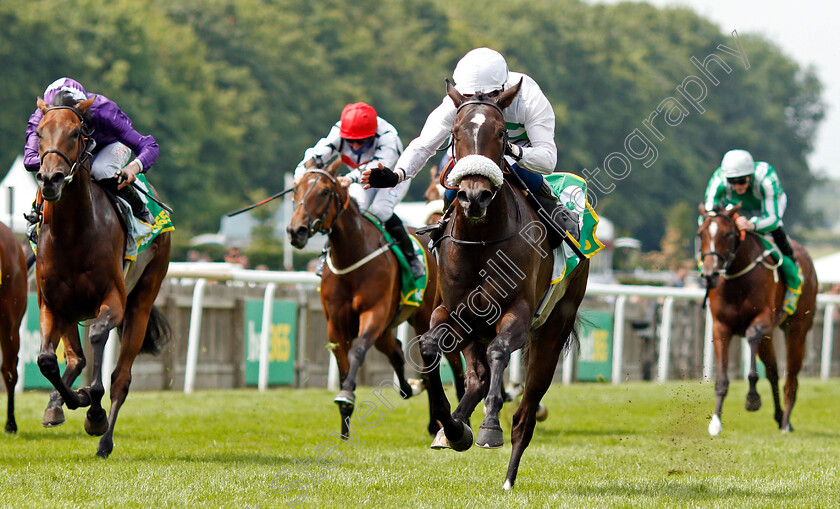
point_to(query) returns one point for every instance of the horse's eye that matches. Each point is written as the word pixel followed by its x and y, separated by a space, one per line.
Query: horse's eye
pixel 325 192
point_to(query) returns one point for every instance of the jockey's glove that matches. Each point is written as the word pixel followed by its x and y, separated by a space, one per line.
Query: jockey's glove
pixel 514 151
pixel 383 177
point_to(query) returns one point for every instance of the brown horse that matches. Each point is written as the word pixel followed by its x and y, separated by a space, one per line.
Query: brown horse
pixel 361 300
pixel 12 308
pixel 494 271
pixel 79 273
pixel 746 294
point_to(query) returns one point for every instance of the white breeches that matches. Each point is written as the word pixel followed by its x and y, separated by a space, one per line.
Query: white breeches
pixel 109 160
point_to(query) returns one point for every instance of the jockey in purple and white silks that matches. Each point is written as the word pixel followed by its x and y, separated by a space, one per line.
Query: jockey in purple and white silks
pixel 755 185
pixel 116 142
pixel 361 138
pixel 531 151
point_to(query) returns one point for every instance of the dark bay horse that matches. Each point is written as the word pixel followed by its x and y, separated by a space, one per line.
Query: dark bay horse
pixel 79 273
pixel 12 308
pixel 746 298
pixel 494 270
pixel 361 300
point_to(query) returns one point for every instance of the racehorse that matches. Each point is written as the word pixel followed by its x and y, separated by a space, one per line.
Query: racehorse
pixel 79 273
pixel 360 287
pixel 494 271
pixel 12 308
pixel 746 294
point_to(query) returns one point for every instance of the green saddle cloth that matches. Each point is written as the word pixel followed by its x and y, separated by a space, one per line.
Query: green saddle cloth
pixel 571 190
pixel 411 290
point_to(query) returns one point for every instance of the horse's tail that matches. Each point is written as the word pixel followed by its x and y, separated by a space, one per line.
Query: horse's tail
pixel 573 342
pixel 158 333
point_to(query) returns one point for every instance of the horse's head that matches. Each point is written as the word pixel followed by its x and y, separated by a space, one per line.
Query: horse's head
pixel 319 199
pixel 479 138
pixel 62 142
pixel 718 242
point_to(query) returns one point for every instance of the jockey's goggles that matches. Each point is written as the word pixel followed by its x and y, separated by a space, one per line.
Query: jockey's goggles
pixel 738 181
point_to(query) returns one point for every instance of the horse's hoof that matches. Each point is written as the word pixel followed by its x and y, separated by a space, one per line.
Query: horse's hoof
pixel 416 386
pixel 463 443
pixel 753 402
pixel 508 485
pixel 542 413
pixel 787 429
pixel 715 427
pixel 490 438
pixel 97 424
pixel 53 416
pixel 11 427
pixel 104 449
pixel 440 441
pixel 345 398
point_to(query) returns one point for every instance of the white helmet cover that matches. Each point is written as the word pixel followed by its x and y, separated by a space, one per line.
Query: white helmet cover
pixel 737 163
pixel 481 70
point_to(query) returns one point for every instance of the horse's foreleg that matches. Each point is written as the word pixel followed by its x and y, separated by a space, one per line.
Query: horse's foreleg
pixel 722 336
pixel 795 342
pixel 52 330
pixel 10 345
pixel 75 363
pixel 110 315
pixel 755 334
pixel 513 333
pixel 767 354
pixel 371 327
pixel 391 348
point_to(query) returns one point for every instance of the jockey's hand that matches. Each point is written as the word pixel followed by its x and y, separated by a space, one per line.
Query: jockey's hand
pixel 514 151
pixel 379 177
pixel 744 224
pixel 128 174
pixel 344 182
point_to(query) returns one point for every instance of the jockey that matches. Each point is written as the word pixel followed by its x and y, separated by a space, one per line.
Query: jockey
pixel 115 141
pixel 755 185
pixel 531 151
pixel 362 138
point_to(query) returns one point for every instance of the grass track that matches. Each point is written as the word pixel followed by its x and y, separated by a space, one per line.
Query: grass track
pixel 634 445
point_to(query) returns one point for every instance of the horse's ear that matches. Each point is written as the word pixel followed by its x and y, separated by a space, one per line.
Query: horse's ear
pixel 332 169
pixel 83 106
pixel 506 97
pixel 702 209
pixel 42 105
pixel 733 210
pixel 456 96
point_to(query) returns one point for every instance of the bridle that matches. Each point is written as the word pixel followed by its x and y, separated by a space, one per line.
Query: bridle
pixel 317 224
pixel 734 244
pixel 85 144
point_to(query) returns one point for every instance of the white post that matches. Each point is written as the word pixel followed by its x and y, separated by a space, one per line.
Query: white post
pixel 708 346
pixel 332 374
pixel 402 336
pixel 109 356
pixel 828 336
pixel 618 339
pixel 516 367
pixel 23 353
pixel 745 356
pixel 568 366
pixel 265 335
pixel 665 340
pixel 195 332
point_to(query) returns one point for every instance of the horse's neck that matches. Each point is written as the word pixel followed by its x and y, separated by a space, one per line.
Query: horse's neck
pixel 747 252
pixel 348 238
pixel 73 215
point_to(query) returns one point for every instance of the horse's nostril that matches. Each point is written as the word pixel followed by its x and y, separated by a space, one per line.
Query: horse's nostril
pixel 58 178
pixel 485 197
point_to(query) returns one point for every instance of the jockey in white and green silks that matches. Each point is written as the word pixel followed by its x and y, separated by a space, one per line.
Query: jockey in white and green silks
pixel 755 185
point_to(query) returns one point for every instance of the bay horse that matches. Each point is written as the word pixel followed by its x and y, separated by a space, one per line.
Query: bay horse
pixel 360 287
pixel 494 271
pixel 79 273
pixel 745 294
pixel 12 307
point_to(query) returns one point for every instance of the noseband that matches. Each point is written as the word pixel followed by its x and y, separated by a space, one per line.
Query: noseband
pixel 317 225
pixel 84 147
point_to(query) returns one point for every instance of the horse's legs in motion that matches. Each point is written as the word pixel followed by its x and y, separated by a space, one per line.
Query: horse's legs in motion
pixel 371 327
pixel 543 355
pixel 388 345
pixel 110 315
pixel 345 408
pixel 722 336
pixel 767 354
pixel 52 330
pixel 75 363
pixel 10 343
pixel 513 333
pixel 795 339
pixel 756 333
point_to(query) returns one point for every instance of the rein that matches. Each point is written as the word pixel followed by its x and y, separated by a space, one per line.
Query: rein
pixel 84 147
pixel 736 240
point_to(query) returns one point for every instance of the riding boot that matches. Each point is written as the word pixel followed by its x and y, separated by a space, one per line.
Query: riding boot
pixel 562 218
pixel 34 218
pixel 395 227
pixel 436 230
pixel 138 206
pixel 790 269
pixel 322 260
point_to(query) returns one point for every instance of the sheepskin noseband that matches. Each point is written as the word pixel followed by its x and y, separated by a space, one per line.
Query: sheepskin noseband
pixel 475 164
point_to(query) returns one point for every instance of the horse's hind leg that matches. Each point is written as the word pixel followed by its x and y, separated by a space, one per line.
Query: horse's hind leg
pixel 755 334
pixel 110 315
pixel 10 344
pixel 795 339
pixel 391 348
pixel 767 354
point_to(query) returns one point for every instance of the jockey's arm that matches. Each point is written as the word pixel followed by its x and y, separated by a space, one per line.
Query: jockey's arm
pixel 31 158
pixel 540 154
pixel 322 152
pixel 435 131
pixel 111 119
pixel 715 191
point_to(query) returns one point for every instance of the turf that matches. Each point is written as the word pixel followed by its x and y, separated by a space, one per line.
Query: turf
pixel 634 445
